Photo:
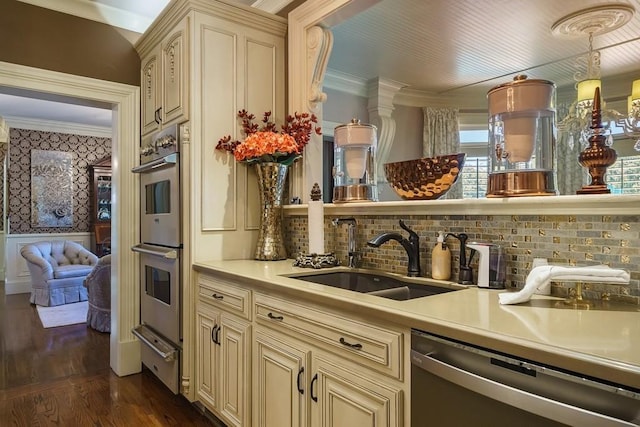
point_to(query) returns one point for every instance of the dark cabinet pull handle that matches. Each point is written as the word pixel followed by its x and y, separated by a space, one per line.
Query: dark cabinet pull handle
pixel 216 296
pixel 213 334
pixel 274 317
pixel 348 344
pixel 156 117
pixel 313 381
pixel 300 372
pixel 218 335
pixel 159 116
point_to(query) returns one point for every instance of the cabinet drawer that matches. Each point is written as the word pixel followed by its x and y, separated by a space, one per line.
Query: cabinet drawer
pixel 372 345
pixel 225 295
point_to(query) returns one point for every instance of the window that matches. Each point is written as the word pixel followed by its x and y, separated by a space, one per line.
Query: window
pixel 623 177
pixel 476 166
pixel 474 177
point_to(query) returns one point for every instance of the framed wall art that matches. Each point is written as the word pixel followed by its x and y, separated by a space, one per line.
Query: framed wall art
pixel 51 188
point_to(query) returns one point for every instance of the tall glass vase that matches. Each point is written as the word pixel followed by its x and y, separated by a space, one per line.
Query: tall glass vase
pixel 271 181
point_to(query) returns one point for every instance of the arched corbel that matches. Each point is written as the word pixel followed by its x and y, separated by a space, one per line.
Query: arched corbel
pixel 319 44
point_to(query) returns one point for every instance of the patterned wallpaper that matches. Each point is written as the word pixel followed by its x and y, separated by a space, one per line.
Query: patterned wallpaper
pixel 575 240
pixel 3 161
pixel 86 150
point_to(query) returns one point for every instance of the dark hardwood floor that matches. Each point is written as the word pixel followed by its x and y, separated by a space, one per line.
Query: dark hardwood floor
pixel 61 377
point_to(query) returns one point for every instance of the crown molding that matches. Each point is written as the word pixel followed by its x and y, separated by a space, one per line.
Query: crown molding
pixel 60 127
pixel 97 12
pixel 358 86
pixel 347 83
pixel 271 6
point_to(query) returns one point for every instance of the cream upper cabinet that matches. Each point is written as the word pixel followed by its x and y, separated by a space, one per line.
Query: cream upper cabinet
pixel 241 67
pixel 164 79
pixel 223 343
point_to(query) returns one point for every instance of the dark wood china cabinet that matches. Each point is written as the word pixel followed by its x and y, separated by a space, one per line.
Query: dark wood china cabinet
pixel 100 175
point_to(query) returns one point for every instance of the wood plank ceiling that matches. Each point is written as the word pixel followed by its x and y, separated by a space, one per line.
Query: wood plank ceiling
pixel 463 48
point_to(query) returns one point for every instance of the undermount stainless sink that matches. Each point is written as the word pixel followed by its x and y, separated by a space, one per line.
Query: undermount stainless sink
pixel 378 284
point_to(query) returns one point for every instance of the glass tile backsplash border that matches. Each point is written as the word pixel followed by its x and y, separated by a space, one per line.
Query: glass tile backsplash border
pixel 575 240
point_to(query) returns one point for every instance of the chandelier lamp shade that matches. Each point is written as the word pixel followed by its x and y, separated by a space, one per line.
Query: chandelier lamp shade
pixel 592 22
pixel 586 89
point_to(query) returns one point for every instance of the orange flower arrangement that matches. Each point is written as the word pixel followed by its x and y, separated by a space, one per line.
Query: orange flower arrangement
pixel 264 144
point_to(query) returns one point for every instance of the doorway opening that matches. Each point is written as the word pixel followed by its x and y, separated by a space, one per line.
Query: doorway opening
pixel 125 105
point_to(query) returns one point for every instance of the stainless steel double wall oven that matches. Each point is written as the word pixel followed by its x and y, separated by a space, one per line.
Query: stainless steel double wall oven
pixel 160 247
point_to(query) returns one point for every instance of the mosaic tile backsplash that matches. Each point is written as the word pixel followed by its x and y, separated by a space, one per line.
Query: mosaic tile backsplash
pixel 575 240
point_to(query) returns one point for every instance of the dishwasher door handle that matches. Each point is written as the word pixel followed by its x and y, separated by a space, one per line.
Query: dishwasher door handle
pixel 538 405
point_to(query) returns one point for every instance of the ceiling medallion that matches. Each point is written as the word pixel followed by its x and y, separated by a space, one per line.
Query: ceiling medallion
pixel 594 20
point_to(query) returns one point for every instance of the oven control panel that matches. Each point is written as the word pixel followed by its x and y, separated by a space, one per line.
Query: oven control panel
pixel 159 145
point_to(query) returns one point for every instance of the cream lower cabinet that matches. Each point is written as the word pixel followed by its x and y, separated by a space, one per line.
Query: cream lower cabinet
pixel 348 397
pixel 223 344
pixel 305 370
pixel 270 361
pixel 280 380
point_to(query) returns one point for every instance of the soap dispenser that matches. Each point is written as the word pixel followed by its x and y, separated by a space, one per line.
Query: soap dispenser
pixel 491 265
pixel 441 259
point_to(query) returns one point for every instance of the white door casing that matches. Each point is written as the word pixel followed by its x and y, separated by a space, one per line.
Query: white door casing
pixel 125 101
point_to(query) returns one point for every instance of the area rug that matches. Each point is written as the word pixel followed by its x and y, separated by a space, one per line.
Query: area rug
pixel 65 314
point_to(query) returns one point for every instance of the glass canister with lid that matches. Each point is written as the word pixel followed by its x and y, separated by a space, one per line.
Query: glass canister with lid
pixel 522 138
pixel 354 168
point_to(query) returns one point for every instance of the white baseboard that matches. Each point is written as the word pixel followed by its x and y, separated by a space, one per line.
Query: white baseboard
pixel 17 287
pixel 125 357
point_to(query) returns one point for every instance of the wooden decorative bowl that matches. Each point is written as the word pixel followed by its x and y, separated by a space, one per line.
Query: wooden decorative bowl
pixel 428 178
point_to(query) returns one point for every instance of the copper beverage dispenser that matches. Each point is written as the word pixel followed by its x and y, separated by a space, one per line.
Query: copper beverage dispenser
pixel 354 163
pixel 522 138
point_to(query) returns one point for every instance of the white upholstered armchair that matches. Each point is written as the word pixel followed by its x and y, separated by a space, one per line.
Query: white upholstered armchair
pixel 58 269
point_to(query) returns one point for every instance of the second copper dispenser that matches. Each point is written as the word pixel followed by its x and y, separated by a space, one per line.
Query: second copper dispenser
pixel 522 138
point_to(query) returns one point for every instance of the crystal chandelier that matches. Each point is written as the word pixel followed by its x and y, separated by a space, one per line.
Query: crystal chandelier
pixel 590 22
pixel 631 123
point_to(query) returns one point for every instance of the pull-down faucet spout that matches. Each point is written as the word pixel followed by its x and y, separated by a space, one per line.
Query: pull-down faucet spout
pixel 352 252
pixel 411 246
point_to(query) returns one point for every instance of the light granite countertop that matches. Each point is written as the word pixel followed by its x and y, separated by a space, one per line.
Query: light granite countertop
pixel 600 343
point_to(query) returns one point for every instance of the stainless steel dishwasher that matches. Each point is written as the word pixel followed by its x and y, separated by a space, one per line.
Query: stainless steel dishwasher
pixel 458 384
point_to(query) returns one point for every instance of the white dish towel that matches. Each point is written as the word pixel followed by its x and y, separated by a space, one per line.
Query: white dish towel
pixel 540 278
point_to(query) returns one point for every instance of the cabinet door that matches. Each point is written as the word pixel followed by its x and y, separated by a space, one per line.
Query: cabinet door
pixel 234 369
pixel 207 336
pixel 151 92
pixel 353 397
pixel 103 197
pixel 280 381
pixel 174 75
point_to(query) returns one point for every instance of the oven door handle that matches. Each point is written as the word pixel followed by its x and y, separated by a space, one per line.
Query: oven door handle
pixel 168 356
pixel 171 159
pixel 512 396
pixel 168 253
